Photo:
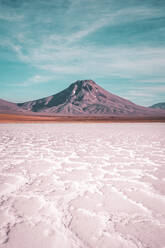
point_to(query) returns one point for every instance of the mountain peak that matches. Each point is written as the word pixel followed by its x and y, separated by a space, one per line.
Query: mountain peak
pixel 85 81
pixel 86 84
pixel 82 88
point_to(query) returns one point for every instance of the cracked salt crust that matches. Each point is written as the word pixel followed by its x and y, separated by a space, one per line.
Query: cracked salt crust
pixel 82 185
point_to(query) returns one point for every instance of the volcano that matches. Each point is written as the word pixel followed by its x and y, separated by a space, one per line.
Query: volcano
pixel 85 97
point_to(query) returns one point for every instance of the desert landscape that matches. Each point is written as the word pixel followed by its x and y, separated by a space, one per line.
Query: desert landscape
pixel 82 124
pixel 81 185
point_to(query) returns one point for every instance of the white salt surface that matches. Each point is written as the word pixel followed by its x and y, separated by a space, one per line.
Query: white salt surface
pixel 82 185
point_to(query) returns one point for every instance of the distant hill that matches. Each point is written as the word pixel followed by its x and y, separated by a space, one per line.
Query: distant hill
pixel 160 105
pixel 9 107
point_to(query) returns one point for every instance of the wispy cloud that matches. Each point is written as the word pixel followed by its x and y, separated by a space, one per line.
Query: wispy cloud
pixel 32 42
pixel 57 38
pixel 127 62
pixel 65 52
pixel 123 61
pixel 153 80
pixel 36 79
pixel 153 89
pixel 146 95
pixel 10 17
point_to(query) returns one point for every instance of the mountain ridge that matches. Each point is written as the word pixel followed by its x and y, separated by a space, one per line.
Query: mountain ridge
pixel 160 105
pixel 83 98
pixel 10 107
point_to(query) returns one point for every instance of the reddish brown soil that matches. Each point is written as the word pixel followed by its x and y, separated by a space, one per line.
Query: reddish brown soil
pixel 13 118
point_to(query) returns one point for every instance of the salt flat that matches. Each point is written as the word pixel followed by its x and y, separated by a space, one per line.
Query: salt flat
pixel 82 185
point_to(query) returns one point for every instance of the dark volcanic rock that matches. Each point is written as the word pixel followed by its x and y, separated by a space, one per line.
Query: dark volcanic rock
pixel 85 97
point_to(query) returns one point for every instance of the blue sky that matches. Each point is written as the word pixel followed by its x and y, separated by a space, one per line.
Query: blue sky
pixel 45 45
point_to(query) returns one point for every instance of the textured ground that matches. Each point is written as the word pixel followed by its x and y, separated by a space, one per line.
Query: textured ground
pixel 82 185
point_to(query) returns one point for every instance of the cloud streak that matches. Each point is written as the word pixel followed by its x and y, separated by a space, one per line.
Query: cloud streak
pixel 36 79
pixel 117 60
pixel 58 37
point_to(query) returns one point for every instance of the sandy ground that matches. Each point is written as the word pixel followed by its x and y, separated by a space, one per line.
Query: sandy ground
pixel 44 118
pixel 82 185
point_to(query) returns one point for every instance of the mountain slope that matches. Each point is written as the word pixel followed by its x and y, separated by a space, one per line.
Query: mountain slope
pixel 9 107
pixel 85 97
pixel 160 105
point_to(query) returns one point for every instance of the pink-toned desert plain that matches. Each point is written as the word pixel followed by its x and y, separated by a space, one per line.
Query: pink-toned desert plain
pixel 82 185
